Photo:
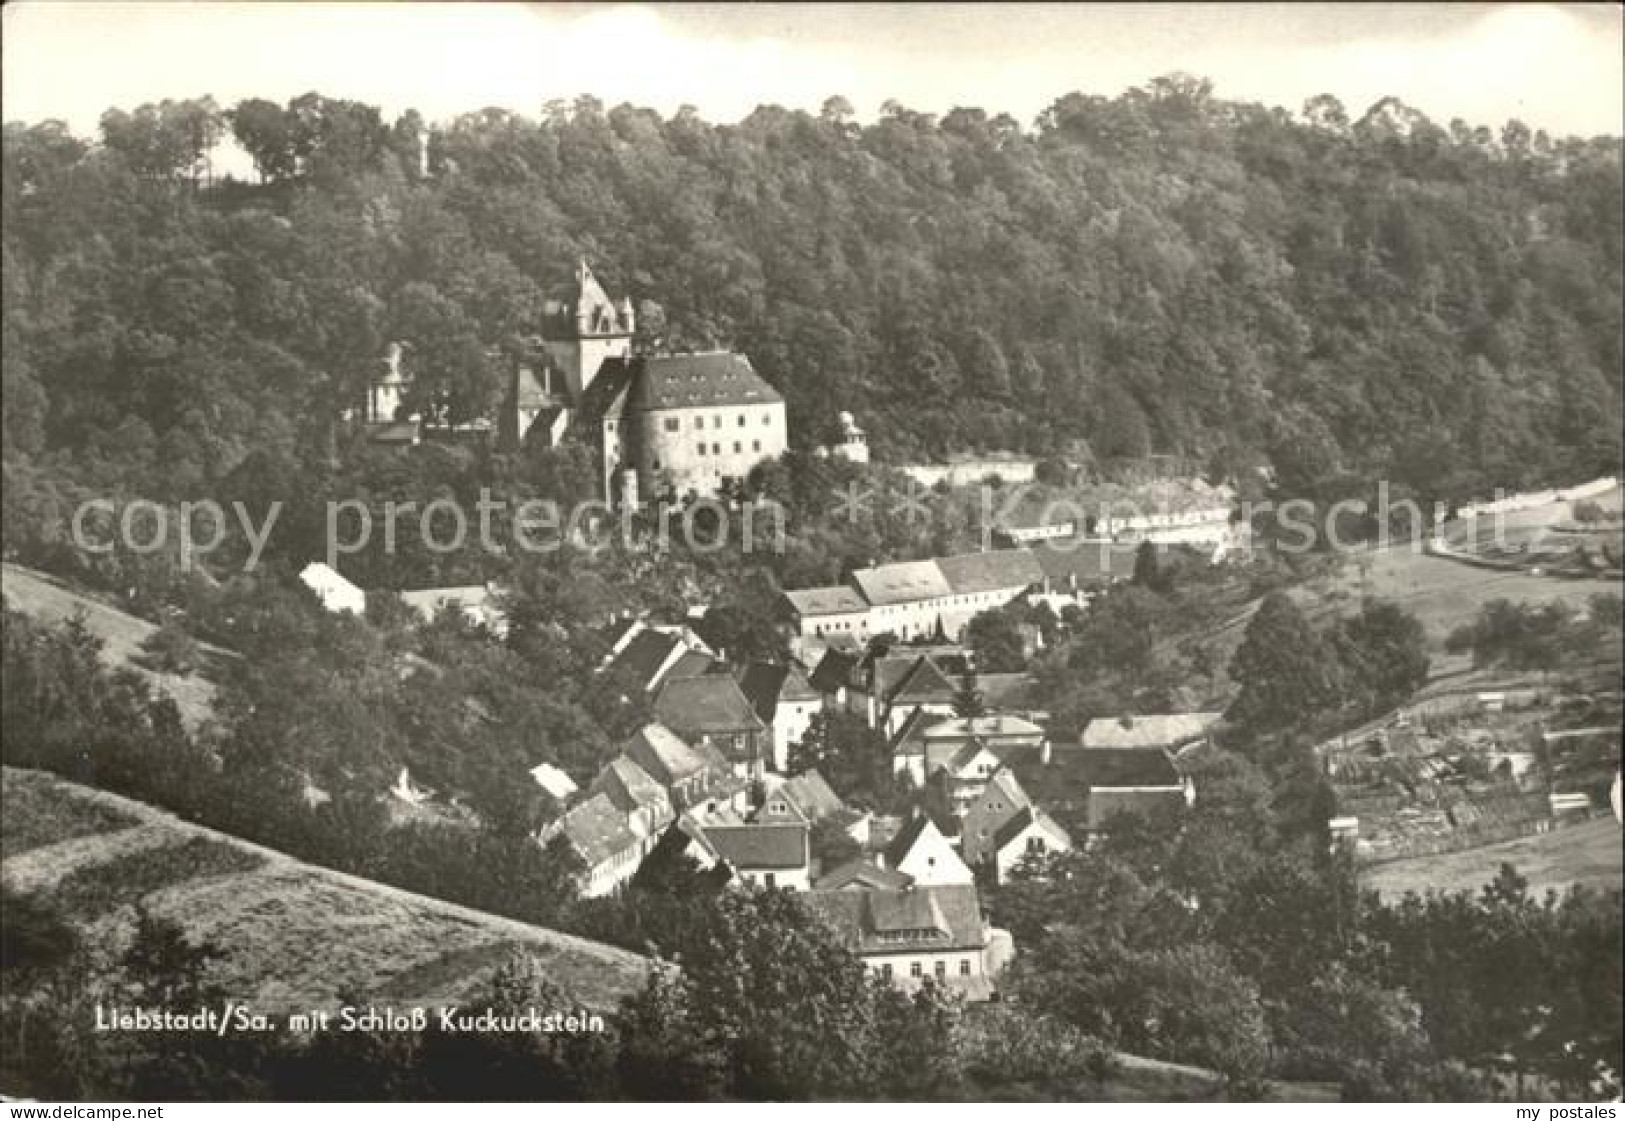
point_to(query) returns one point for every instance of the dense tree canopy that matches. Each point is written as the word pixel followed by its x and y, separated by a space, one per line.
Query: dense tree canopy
pixel 1163 271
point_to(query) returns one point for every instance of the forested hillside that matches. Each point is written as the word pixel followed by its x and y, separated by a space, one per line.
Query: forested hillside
pixel 1163 271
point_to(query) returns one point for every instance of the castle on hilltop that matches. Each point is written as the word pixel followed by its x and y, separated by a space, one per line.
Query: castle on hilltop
pixel 678 425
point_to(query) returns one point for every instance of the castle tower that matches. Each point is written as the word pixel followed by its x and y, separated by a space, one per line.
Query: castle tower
pixel 854 443
pixel 384 396
pixel 583 328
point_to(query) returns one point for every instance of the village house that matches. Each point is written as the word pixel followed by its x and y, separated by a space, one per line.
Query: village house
pixel 646 804
pixel 1030 834
pixel 954 783
pixel 921 852
pixel 479 603
pixel 778 810
pixel 907 935
pixel 907 744
pixel 785 701
pixel 1001 799
pixel 602 838
pixel 832 610
pixel 811 796
pixel 692 776
pixel 771 855
pixel 898 686
pixel 710 711
pixel 645 655
pixel 1002 734
pixel 863 874
pixel 1084 788
pixel 835 676
pixel 558 785
pixel 332 589
pixel 883 686
pixel 915 599
pixel 1173 732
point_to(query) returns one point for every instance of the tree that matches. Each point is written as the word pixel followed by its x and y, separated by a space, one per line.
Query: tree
pixel 1287 674
pixel 170 649
pixel 832 845
pixel 968 702
pixel 1148 570
pixel 849 754
pixel 995 638
pixel 266 133
pixel 1120 430
pixel 1323 111
pixel 1383 651
pixel 766 988
pixel 1367 1038
pixel 170 138
pixel 989 371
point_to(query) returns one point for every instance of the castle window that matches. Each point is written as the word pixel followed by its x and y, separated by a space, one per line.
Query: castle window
pixel 755 445
pixel 964 967
pixel 767 418
pixel 699 422
pixel 671 424
pixel 716 449
pixel 942 971
pixel 741 420
pixel 738 447
pixel 915 969
pixel 701 449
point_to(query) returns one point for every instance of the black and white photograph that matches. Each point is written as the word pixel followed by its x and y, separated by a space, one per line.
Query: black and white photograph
pixel 822 552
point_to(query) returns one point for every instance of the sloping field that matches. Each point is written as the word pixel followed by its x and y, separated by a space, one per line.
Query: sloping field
pixel 1440 592
pixel 294 936
pixel 121 633
pixel 1444 593
pixel 1589 854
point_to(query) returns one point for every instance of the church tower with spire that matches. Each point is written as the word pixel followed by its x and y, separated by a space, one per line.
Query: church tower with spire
pixel 583 328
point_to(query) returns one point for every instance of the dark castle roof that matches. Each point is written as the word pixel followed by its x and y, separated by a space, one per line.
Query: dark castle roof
pixel 680 381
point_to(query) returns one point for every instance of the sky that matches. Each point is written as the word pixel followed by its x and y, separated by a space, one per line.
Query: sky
pixel 1556 67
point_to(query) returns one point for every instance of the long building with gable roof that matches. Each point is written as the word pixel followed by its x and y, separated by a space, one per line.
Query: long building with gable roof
pixel 915 599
